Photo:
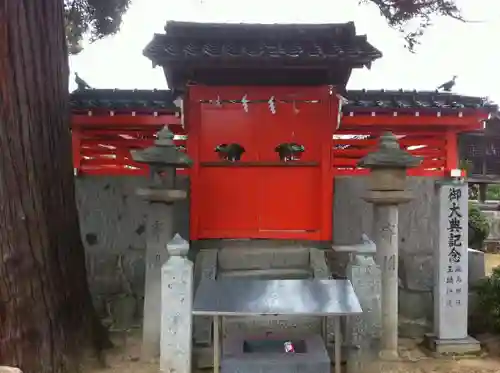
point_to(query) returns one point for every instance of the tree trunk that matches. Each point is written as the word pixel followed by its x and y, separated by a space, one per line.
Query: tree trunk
pixel 46 315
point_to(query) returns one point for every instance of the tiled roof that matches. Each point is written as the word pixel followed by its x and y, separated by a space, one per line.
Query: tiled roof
pixel 254 43
pixel 382 100
pixel 356 100
pixel 122 99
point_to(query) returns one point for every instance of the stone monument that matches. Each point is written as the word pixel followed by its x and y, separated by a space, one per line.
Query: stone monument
pixel 387 190
pixel 451 287
pixel 162 158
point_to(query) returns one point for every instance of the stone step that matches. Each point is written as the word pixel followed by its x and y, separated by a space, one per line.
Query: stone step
pixel 274 256
pixel 268 274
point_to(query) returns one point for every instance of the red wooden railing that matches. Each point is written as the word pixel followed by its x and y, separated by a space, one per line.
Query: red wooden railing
pixel 433 147
pixel 102 143
pixel 107 151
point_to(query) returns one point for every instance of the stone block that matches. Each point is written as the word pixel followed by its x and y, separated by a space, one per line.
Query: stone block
pixel 416 304
pixel 268 274
pixel 411 328
pixel 100 306
pixel 353 216
pixel 337 263
pixel 111 215
pixel 416 272
pixel 319 266
pixel 105 274
pixel 123 310
pixel 205 269
pixel 263 258
pixel 134 268
pixel 477 269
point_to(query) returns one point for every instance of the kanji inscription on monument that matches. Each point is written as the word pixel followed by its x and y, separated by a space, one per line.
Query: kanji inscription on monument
pixel 452 261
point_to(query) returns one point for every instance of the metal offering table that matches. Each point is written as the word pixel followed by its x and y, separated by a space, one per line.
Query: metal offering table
pixel 249 297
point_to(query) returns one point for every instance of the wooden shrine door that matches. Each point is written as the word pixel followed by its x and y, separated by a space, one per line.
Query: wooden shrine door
pixel 260 195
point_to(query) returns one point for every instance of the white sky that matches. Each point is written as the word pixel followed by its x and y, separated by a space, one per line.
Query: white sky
pixel 470 51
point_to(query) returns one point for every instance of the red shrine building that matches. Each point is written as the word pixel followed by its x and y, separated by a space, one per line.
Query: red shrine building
pixel 263 112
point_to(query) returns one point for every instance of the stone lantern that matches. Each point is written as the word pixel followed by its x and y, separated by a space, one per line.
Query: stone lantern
pixel 387 190
pixel 163 158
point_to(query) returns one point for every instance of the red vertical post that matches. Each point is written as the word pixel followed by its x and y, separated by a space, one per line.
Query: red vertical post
pixel 192 118
pixel 452 157
pixel 75 149
pixel 328 183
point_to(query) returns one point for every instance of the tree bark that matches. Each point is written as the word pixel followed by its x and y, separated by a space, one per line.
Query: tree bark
pixel 46 315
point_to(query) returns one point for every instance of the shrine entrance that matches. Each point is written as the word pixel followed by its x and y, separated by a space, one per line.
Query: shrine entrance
pixel 262 162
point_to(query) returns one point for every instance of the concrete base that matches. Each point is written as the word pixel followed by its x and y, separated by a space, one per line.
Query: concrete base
pixel 462 346
pixel 312 359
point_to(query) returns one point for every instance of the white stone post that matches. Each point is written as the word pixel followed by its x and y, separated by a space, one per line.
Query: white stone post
pixel 177 308
pixel 451 285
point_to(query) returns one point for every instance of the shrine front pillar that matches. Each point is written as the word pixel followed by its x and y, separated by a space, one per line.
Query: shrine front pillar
pixel 387 190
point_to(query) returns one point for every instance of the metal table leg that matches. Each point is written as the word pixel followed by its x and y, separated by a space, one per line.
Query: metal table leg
pixel 217 344
pixel 338 344
pixel 324 330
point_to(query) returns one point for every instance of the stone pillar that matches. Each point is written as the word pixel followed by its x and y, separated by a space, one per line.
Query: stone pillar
pixel 162 159
pixel 387 191
pixel 451 288
pixel 159 232
pixel 386 237
pixel 177 309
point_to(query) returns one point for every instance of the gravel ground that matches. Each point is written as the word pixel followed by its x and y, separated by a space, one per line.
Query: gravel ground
pixel 125 359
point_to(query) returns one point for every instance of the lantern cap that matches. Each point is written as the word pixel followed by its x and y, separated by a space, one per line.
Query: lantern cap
pixel 389 155
pixel 163 152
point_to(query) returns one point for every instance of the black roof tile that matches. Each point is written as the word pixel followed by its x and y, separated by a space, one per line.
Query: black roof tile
pixel 254 43
pixel 123 99
pixel 380 100
pixel 356 100
pixel 340 31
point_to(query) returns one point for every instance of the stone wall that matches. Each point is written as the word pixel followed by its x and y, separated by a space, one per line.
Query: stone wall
pixel 114 233
pixel 418 236
pixel 112 221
